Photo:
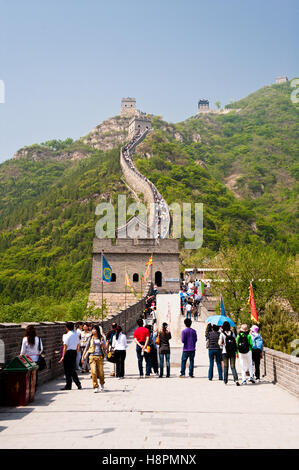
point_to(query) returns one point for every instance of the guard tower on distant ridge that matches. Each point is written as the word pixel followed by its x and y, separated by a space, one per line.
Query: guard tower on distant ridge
pixel 128 107
pixel 282 79
pixel 203 106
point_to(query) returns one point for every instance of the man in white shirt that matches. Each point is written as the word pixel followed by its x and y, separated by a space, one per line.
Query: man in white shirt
pixel 71 345
pixel 188 310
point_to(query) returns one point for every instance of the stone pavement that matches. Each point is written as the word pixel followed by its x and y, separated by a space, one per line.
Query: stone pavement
pixel 155 413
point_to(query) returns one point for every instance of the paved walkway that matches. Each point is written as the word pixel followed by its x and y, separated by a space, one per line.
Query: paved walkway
pixel 155 413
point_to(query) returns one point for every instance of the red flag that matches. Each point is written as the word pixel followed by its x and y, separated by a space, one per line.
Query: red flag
pixel 254 316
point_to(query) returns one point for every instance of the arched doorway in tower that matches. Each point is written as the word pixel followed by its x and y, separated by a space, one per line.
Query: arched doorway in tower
pixel 158 278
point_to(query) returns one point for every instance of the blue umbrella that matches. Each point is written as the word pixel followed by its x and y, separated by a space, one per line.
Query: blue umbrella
pixel 219 320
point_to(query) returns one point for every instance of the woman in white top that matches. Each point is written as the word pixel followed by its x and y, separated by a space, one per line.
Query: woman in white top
pixel 30 344
pixel 119 344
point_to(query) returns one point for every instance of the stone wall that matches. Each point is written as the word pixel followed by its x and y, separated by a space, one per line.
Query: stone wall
pixel 51 335
pixel 138 184
pixel 281 369
pixel 114 301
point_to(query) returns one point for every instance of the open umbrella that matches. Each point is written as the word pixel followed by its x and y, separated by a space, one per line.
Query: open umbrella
pixel 219 320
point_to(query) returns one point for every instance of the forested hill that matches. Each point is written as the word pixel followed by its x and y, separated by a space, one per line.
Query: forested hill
pixel 47 220
pixel 253 151
pixel 242 165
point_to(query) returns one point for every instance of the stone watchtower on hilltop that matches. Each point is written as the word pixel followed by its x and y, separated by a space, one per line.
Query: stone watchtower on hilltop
pixel 139 124
pixel 128 107
pixel 203 106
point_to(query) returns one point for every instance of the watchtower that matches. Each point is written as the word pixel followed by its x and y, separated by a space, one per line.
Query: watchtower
pixel 281 80
pixel 203 106
pixel 130 256
pixel 139 124
pixel 128 107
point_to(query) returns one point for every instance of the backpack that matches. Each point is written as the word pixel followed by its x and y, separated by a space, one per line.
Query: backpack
pixel 243 345
pixel 230 345
pixel 257 342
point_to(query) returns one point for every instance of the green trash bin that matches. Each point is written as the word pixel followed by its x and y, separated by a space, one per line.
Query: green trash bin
pixel 20 378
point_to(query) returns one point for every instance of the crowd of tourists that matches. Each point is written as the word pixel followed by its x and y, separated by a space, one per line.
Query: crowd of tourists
pixel 161 216
pixel 224 344
pixel 85 348
pixel 191 298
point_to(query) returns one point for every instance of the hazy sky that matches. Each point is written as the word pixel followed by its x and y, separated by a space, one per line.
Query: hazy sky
pixel 66 64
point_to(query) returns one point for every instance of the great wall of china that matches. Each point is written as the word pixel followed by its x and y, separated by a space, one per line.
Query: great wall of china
pixel 130 253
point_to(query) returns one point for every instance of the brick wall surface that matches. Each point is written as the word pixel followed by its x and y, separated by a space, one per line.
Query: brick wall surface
pixel 282 369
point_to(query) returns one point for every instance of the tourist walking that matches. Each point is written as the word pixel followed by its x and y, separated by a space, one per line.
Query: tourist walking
pixel 85 334
pixel 244 348
pixel 119 344
pixel 163 339
pixel 188 309
pixel 71 346
pixel 189 339
pixel 141 338
pixel 257 350
pixel 32 346
pixel 109 338
pixel 153 353
pixel 227 340
pixel 214 352
pixel 96 348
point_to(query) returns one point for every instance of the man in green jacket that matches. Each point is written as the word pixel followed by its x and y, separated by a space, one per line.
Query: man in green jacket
pixel 244 349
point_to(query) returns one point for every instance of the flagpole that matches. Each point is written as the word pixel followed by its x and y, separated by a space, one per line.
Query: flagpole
pixel 141 285
pixel 152 270
pixel 125 301
pixel 102 290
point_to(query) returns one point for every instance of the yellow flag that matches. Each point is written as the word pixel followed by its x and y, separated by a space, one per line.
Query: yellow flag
pixel 130 285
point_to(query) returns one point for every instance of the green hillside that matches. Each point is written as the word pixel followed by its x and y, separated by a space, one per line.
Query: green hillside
pixel 249 180
pixel 47 227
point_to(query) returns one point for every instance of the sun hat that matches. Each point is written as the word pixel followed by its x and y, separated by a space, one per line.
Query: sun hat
pixel 254 328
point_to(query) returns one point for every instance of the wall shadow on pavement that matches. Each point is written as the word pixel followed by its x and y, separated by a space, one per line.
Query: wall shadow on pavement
pixel 9 413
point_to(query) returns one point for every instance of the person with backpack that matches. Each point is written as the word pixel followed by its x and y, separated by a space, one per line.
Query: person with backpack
pixel 214 351
pixel 227 340
pixel 257 350
pixel 244 348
